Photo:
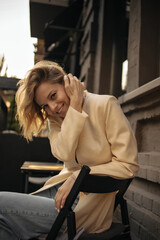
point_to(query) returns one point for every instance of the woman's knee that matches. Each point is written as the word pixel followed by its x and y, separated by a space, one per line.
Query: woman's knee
pixel 10 200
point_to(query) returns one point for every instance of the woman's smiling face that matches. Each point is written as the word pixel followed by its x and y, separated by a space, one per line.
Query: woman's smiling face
pixel 52 98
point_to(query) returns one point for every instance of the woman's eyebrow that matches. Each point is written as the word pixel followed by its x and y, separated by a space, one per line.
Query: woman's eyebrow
pixel 50 93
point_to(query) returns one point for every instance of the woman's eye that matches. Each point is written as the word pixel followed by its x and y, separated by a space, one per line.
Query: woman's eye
pixel 53 95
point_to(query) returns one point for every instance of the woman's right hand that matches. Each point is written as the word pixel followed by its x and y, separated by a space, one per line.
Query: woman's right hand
pixel 63 192
pixel 74 89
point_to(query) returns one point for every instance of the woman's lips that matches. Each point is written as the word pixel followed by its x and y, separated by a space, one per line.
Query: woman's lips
pixel 60 110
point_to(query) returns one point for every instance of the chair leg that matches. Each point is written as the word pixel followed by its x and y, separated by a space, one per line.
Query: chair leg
pixel 125 220
pixel 124 212
pixel 126 235
pixel 57 225
pixel 71 225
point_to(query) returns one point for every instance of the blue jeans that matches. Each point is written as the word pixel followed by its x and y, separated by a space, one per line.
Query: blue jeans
pixel 24 216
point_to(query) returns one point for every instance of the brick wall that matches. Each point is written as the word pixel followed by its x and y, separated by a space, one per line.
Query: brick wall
pixel 142 107
pixel 141 104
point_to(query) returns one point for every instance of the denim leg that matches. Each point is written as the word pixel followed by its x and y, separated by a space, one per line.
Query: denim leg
pixel 24 216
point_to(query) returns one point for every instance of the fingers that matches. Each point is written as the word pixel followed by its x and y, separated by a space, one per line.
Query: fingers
pixel 74 80
pixel 63 192
pixel 73 86
pixel 59 199
pixel 70 80
pixel 66 80
pixel 69 83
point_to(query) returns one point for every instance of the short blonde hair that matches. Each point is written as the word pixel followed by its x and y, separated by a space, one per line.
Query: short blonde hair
pixel 31 117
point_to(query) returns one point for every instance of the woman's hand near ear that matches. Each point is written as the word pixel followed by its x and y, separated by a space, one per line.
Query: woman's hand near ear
pixel 74 89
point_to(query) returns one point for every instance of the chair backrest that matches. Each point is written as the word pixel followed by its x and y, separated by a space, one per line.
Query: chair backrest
pixel 103 184
pixel 86 182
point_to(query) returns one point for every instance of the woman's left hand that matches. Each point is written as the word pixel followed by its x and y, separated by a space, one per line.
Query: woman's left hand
pixel 63 192
pixel 74 89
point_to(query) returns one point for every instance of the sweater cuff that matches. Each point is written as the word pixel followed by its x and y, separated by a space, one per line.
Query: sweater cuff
pixel 76 173
pixel 71 111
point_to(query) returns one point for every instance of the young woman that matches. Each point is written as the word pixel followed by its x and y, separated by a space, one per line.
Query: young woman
pixel 84 128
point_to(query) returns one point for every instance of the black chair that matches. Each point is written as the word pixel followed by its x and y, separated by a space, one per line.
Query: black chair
pixel 86 182
pixel 14 151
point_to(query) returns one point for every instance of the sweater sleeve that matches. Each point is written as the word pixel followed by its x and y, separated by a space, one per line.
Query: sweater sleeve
pixel 64 138
pixel 123 145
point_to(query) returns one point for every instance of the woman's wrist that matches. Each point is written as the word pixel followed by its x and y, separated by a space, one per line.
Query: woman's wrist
pixel 77 104
pixel 77 107
pixel 73 177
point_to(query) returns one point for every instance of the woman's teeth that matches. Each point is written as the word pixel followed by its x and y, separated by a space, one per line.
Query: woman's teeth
pixel 60 110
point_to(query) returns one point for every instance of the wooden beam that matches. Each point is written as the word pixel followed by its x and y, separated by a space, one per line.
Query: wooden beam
pixel 62 3
pixel 8 83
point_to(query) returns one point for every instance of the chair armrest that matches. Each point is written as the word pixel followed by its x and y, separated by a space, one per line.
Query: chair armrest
pixel 102 184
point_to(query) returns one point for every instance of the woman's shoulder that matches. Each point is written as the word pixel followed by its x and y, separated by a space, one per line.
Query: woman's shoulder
pixel 100 99
pixel 97 104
